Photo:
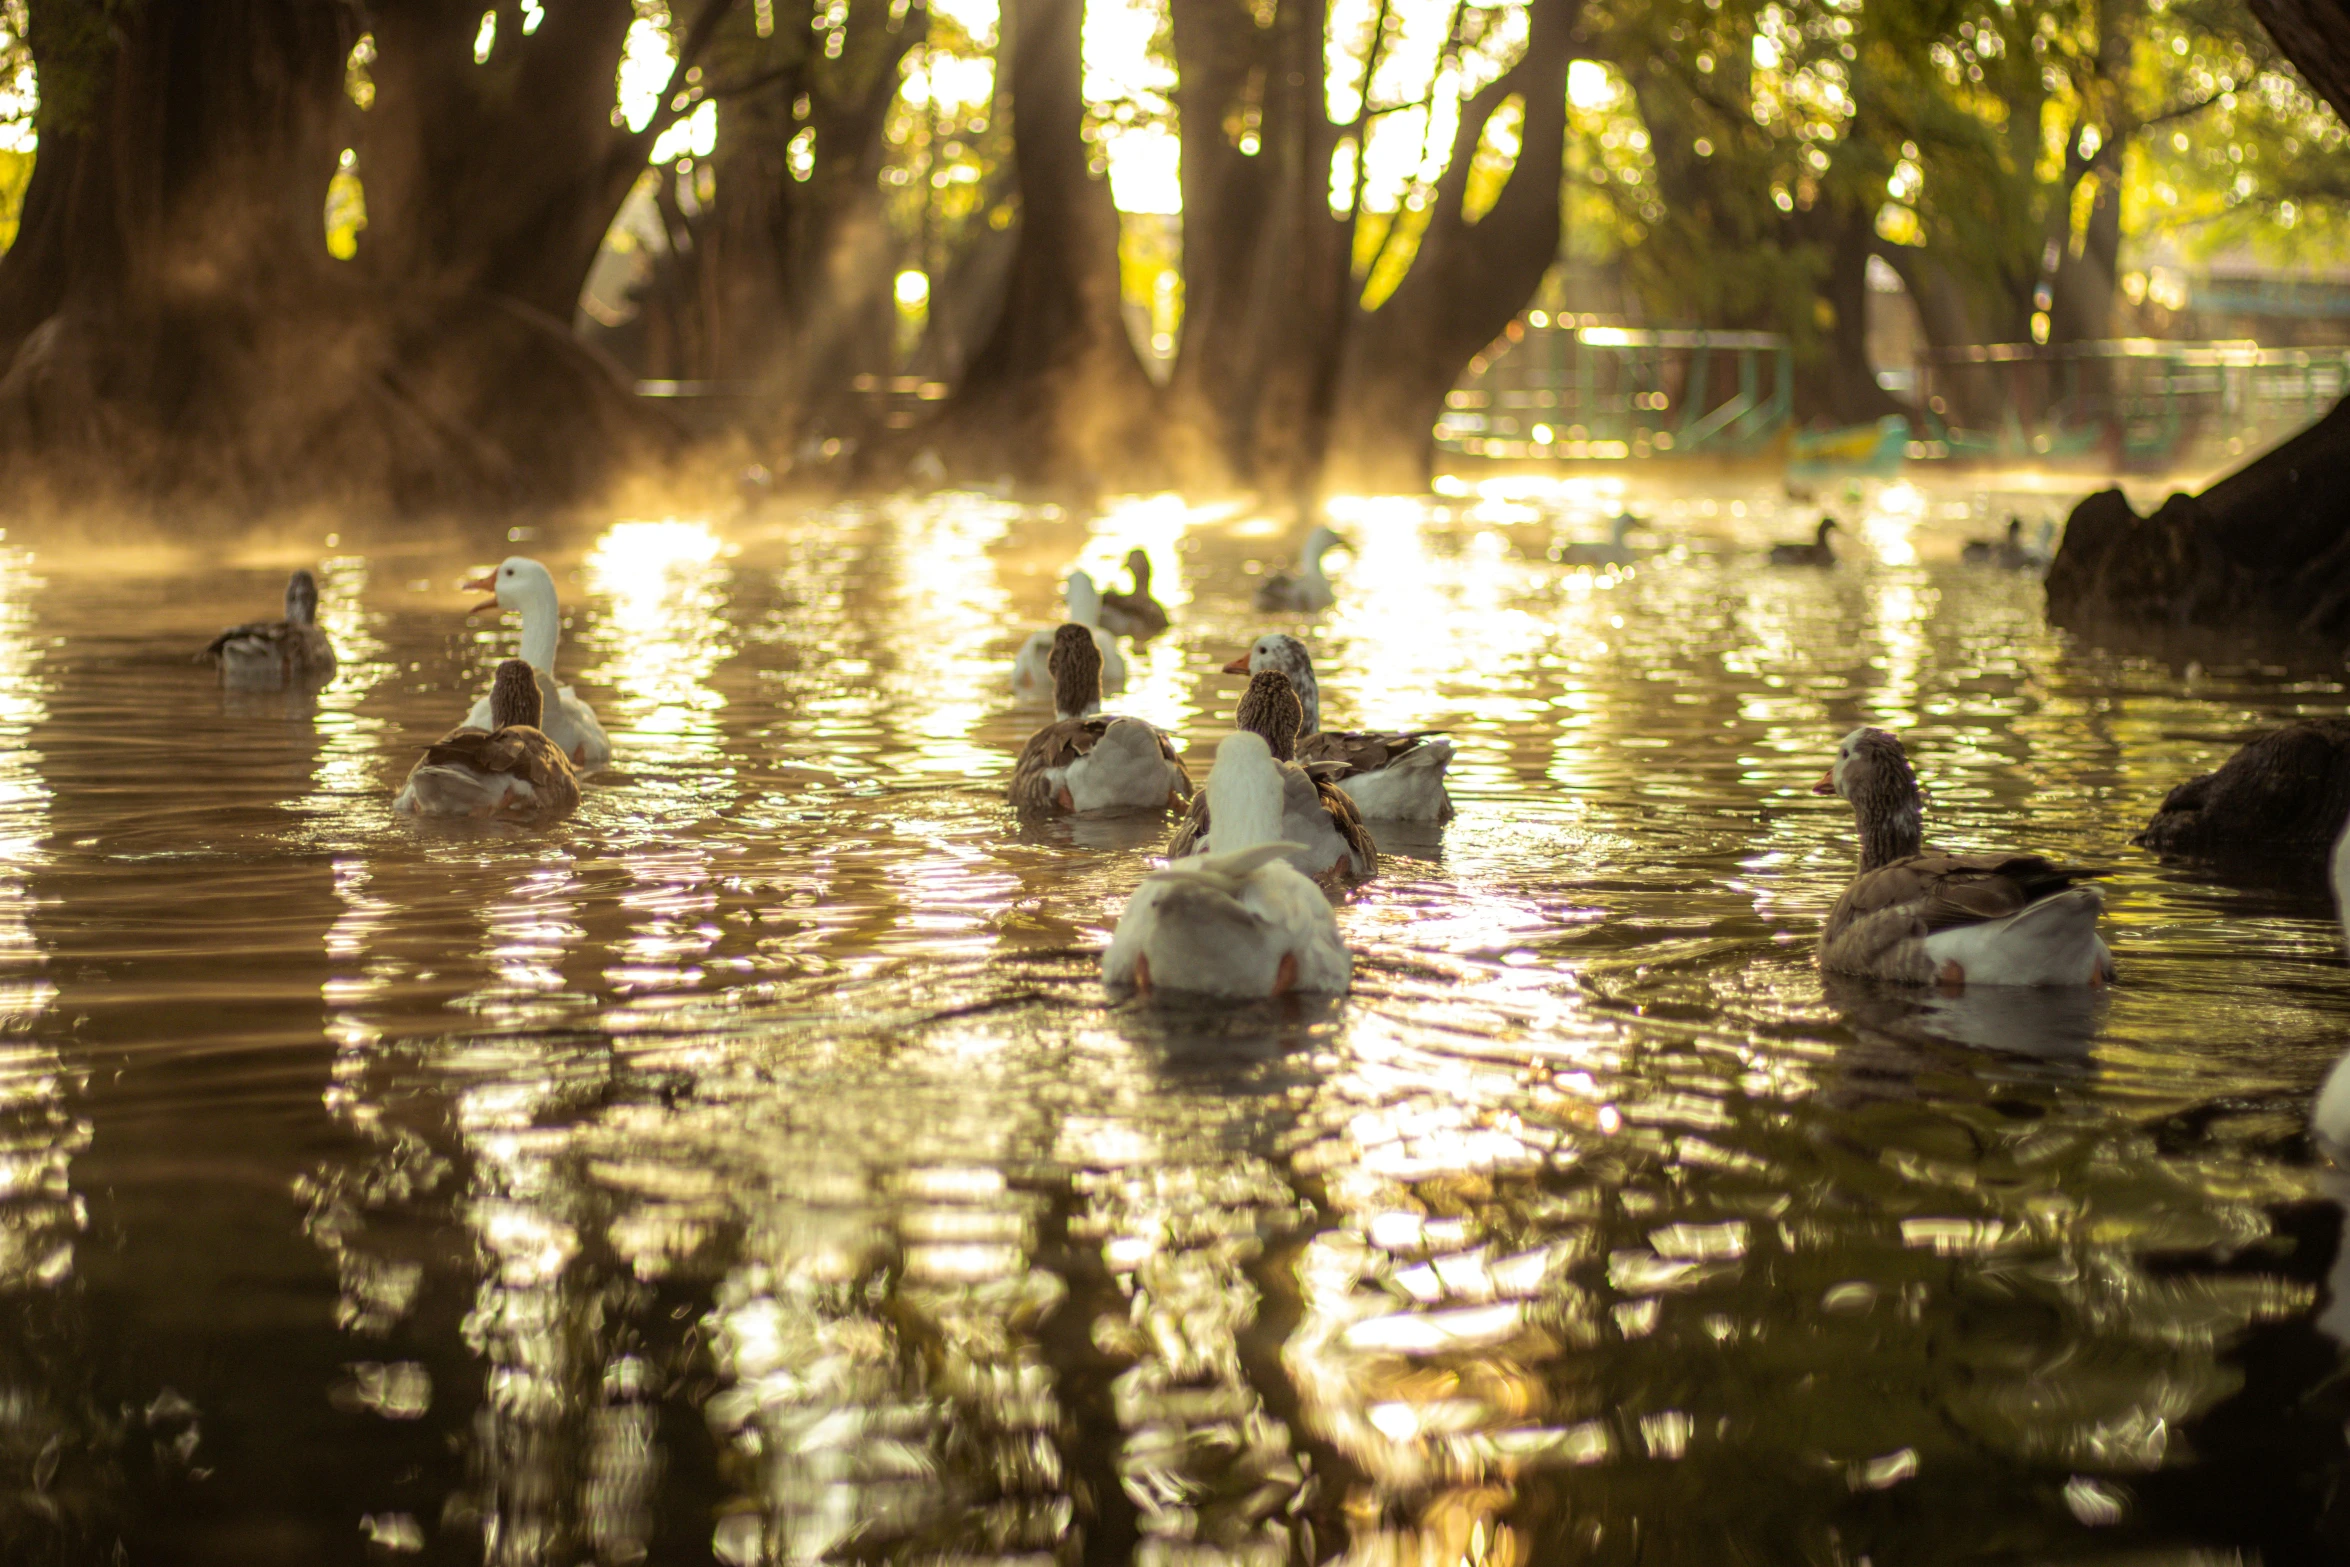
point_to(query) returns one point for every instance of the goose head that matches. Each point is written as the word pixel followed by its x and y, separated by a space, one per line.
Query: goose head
pixel 302 599
pixel 1138 566
pixel 1873 775
pixel 1622 529
pixel 1269 709
pixel 514 695
pixel 1280 651
pixel 1083 598
pixel 2015 531
pixel 1827 526
pixel 522 584
pixel 1076 666
pixel 1244 793
pixel 1321 542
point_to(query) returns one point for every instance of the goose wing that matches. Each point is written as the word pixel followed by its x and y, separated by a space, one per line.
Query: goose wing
pixel 1349 822
pixel 1048 751
pixel 1360 750
pixel 1191 829
pixel 267 633
pixel 1940 891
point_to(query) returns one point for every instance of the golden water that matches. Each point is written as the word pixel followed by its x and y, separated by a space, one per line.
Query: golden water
pixel 752 1168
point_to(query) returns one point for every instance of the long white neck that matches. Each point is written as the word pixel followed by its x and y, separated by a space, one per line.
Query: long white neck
pixel 1244 804
pixel 542 625
pixel 1084 600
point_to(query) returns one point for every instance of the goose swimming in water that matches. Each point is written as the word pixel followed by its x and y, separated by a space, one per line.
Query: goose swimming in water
pixel 1391 775
pixel 1324 829
pixel 1816 553
pixel 1134 614
pixel 1615 552
pixel 1086 761
pixel 1921 918
pixel 277 652
pixel 1032 675
pixel 1239 924
pixel 523 585
pixel 1306 589
pixel 511 772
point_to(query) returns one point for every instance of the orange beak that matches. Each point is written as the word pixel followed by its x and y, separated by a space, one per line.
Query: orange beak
pixel 1827 783
pixel 1238 666
pixel 487 582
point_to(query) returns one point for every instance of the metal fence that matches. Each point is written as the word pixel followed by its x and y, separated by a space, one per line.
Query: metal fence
pixel 1558 390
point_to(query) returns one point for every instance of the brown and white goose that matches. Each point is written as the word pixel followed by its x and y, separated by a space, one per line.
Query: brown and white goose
pixel 1391 775
pixel 1134 614
pixel 1920 917
pixel 1325 832
pixel 1306 589
pixel 277 652
pixel 512 773
pixel 1085 760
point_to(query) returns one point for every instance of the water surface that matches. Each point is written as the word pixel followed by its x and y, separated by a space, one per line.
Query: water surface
pixel 752 1169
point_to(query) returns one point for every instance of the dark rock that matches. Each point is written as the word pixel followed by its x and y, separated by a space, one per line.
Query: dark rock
pixel 2284 796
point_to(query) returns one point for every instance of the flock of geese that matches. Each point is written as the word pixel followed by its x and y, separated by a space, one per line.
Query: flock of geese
pixel 1243 906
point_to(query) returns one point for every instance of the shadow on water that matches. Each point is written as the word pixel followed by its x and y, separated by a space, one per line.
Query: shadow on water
pixel 753 1170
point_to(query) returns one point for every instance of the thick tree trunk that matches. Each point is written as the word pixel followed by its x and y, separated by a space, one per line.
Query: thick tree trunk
pixel 2315 35
pixel 1841 382
pixel 1056 393
pixel 176 326
pixel 1468 280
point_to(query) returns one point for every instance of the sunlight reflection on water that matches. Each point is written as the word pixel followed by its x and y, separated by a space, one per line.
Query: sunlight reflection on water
pixel 752 1165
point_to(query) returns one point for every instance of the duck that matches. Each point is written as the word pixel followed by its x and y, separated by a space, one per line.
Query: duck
pixel 1920 917
pixel 1086 761
pixel 2284 796
pixel 1816 553
pixel 1241 923
pixel 1318 819
pixel 1305 589
pixel 522 584
pixel 2010 552
pixel 511 772
pixel 1391 775
pixel 1134 614
pixel 1032 675
pixel 275 652
pixel 1613 553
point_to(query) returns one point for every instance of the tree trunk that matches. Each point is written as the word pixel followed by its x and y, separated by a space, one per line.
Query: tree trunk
pixel 1056 393
pixel 1841 382
pixel 173 322
pixel 1468 280
pixel 2315 35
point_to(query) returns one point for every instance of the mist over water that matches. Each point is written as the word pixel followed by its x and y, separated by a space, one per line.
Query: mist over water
pixel 753 1169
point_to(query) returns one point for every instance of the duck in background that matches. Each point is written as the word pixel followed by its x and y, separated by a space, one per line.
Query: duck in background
pixel 1135 614
pixel 523 585
pixel 1391 775
pixel 1239 924
pixel 277 652
pixel 1321 823
pixel 2010 552
pixel 1919 917
pixel 1816 553
pixel 510 772
pixel 1615 552
pixel 1032 674
pixel 1085 761
pixel 1305 589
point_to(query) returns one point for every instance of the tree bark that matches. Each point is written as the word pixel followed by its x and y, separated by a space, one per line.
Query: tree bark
pixel 2315 35
pixel 1056 394
pixel 1468 280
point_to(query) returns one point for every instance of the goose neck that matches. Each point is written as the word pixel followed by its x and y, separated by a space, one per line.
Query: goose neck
pixel 1244 805
pixel 542 627
pixel 1893 831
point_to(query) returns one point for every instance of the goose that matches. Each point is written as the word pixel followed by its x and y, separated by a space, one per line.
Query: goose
pixel 1134 614
pixel 1032 675
pixel 512 773
pixel 1324 830
pixel 1239 924
pixel 1816 553
pixel 272 652
pixel 1391 775
pixel 2008 552
pixel 522 584
pixel 1613 553
pixel 1305 588
pixel 2284 796
pixel 1920 917
pixel 1084 761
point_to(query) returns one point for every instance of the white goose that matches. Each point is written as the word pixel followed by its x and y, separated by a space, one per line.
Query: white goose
pixel 1920 917
pixel 522 584
pixel 1239 924
pixel 2329 1118
pixel 1032 675
pixel 1391 775
pixel 1306 588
